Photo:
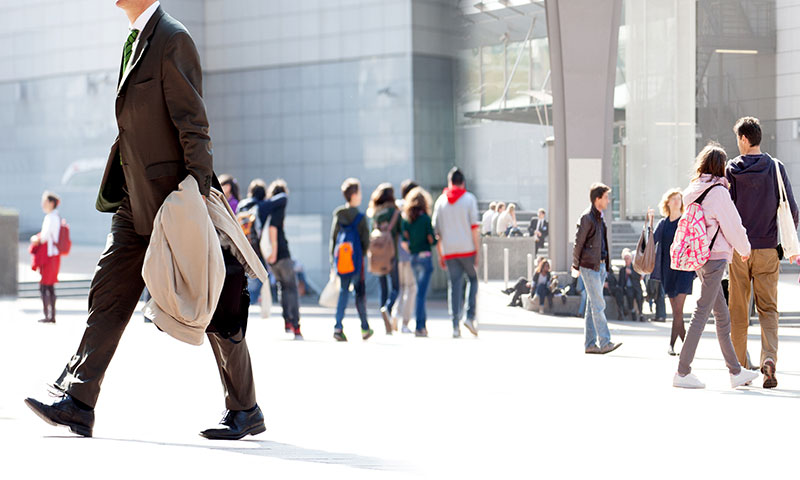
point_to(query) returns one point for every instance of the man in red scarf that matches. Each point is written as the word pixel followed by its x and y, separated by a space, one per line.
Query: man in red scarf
pixel 456 223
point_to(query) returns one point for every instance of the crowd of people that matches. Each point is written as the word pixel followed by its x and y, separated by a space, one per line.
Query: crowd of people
pixel 410 227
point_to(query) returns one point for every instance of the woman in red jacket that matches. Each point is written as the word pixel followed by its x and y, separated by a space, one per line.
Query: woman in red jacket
pixel 46 257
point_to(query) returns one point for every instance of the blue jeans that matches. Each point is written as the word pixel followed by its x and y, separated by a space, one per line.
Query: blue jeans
pixel 596 323
pixel 357 279
pixel 456 269
pixel 388 297
pixel 581 288
pixel 543 290
pixel 422 264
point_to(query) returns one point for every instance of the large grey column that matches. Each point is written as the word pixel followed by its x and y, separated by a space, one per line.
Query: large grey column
pixel 9 253
pixel 583 37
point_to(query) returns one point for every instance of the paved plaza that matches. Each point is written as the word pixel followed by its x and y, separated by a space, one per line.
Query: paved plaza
pixel 521 401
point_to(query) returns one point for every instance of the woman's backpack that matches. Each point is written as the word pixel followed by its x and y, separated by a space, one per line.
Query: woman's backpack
pixel 691 248
pixel 381 247
pixel 347 252
pixel 64 242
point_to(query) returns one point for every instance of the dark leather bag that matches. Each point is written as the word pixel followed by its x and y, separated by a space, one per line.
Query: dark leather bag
pixel 230 316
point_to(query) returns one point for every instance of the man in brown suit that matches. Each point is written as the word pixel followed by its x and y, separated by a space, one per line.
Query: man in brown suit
pixel 163 136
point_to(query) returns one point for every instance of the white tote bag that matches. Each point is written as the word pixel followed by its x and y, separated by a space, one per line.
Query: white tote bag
pixel 788 233
pixel 329 297
pixel 266 299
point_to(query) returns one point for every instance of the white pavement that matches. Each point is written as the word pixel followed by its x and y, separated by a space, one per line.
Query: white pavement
pixel 522 401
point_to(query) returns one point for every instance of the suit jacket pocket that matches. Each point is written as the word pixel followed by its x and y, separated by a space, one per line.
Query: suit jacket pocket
pixel 163 169
pixel 144 84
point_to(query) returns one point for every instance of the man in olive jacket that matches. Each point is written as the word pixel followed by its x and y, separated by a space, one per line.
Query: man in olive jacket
pixel 163 137
pixel 591 258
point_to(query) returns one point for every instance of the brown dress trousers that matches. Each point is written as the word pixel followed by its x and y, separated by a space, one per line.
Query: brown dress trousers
pixel 111 304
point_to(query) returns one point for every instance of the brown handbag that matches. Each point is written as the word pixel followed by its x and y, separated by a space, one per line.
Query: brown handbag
pixel 644 259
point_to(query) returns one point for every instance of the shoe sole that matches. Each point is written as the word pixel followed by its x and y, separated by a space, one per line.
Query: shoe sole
pixel 769 378
pixel 689 387
pixel 251 431
pixel 367 337
pixel 471 329
pixel 77 429
pixel 609 351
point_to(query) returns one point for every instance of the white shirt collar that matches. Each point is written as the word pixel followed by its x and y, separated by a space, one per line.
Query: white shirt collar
pixel 144 17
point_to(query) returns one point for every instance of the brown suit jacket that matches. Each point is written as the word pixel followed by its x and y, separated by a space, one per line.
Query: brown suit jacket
pixel 163 128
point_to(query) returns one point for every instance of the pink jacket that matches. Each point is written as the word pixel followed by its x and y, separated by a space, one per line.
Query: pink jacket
pixel 720 213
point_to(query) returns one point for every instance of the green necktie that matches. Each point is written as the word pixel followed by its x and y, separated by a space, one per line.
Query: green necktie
pixel 128 50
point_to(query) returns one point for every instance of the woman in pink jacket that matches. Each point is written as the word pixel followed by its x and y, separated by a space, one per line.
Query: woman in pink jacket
pixel 724 225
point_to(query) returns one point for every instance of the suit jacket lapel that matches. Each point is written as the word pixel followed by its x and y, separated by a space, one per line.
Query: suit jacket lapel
pixel 144 42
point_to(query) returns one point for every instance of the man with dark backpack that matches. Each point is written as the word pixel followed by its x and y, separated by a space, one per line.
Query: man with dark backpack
pixel 349 243
pixel 253 214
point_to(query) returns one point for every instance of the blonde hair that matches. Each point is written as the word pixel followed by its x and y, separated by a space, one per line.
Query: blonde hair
pixel 626 252
pixel 663 205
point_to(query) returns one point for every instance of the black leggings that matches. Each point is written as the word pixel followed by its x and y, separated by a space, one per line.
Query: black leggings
pixel 520 288
pixel 48 293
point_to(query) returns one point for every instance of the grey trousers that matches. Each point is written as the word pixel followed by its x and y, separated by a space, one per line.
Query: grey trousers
pixel 711 299
pixel 287 280
pixel 111 304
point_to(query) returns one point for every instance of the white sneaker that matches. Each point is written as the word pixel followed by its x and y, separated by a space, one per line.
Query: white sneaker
pixel 743 378
pixel 689 381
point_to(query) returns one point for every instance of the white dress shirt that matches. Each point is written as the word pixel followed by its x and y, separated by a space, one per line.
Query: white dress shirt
pixel 486 222
pixel 51 230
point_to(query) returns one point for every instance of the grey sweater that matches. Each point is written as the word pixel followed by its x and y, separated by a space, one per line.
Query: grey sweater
pixel 455 215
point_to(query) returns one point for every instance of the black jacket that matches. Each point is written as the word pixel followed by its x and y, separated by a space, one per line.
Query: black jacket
pixel 535 224
pixel 636 280
pixel 588 241
pixel 754 191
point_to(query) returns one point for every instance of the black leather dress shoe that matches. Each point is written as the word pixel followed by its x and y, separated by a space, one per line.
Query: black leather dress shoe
pixel 64 412
pixel 237 424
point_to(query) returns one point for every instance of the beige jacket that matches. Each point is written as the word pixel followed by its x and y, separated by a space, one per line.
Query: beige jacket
pixel 183 267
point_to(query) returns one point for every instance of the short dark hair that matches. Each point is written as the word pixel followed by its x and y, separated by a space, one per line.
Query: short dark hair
pixel 455 176
pixel 750 128
pixel 52 197
pixel 257 189
pixel 407 186
pixel 597 190
pixel 350 187
pixel 276 187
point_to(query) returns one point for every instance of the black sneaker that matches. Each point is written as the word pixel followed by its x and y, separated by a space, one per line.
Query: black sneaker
pixel 339 336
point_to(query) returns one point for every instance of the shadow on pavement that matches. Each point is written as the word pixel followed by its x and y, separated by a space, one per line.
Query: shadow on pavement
pixel 283 451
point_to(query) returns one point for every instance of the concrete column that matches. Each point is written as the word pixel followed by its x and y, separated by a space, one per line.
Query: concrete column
pixel 9 253
pixel 583 37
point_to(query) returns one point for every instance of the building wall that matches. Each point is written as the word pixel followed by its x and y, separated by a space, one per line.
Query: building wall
pixel 660 115
pixel 309 91
pixel 505 161
pixel 787 87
